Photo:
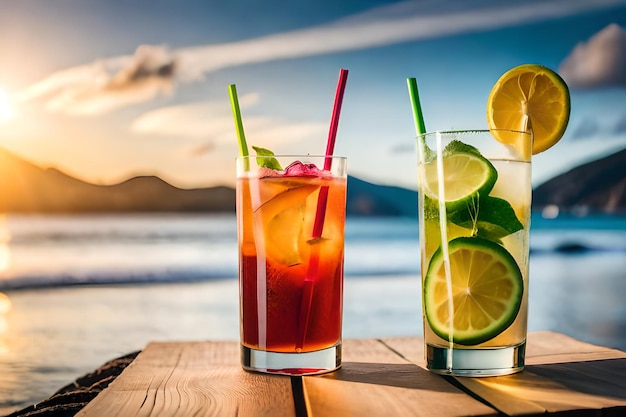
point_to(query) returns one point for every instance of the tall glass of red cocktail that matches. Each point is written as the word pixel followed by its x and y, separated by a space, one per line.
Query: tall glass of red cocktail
pixel 290 217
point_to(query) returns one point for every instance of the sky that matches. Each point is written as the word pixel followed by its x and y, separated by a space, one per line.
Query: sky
pixel 107 90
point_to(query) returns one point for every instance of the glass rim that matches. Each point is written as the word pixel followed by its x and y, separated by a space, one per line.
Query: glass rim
pixel 311 156
pixel 455 131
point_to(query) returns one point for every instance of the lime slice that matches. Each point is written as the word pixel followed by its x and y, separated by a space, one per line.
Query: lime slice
pixel 465 174
pixel 283 218
pixel 529 97
pixel 487 288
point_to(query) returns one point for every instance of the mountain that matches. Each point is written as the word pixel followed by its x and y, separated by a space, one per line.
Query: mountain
pixel 598 186
pixel 595 187
pixel 27 188
pixel 367 199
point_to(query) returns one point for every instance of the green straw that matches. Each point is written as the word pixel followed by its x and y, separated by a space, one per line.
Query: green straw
pixel 243 146
pixel 420 127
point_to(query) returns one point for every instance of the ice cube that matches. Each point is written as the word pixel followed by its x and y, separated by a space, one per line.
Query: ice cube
pixel 295 169
pixel 299 169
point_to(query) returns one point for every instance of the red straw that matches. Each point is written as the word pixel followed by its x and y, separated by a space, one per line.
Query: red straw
pixel 334 120
pixel 320 215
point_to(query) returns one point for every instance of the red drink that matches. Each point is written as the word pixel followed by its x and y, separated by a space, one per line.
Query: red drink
pixel 291 281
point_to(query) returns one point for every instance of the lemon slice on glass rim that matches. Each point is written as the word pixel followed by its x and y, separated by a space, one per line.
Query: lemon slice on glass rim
pixel 529 97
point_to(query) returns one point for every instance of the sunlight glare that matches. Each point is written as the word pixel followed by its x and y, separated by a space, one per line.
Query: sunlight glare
pixel 6 111
pixel 5 304
pixel 5 262
pixel 5 252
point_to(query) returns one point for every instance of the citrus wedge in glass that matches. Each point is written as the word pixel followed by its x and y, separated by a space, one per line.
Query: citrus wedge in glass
pixel 529 97
pixel 466 175
pixel 282 218
pixel 487 289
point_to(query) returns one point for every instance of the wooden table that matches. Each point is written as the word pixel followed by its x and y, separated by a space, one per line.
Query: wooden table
pixel 380 377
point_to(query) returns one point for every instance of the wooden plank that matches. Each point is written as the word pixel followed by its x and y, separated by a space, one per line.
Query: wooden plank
pixel 375 381
pixel 562 375
pixel 192 378
pixel 552 347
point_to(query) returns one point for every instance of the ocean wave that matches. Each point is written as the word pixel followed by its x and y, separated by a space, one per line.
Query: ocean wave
pixel 370 263
pixel 50 252
pixel 577 241
pixel 27 282
pixel 103 278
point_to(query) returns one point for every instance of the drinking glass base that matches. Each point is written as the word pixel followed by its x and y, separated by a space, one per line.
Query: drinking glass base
pixel 476 362
pixel 305 363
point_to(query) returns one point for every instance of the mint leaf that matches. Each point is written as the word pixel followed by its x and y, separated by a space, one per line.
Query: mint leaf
pixel 491 218
pixel 271 163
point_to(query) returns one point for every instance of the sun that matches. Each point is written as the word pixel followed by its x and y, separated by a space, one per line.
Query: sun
pixel 6 110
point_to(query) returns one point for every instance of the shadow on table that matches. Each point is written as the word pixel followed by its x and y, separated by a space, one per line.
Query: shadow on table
pixel 606 378
pixel 403 375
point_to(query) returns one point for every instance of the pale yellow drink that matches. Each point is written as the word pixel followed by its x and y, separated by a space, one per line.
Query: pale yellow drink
pixel 474 218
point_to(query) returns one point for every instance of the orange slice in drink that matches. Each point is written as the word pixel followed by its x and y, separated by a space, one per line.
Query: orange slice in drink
pixel 283 220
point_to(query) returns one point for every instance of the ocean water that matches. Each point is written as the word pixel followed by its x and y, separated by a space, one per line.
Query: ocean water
pixel 85 289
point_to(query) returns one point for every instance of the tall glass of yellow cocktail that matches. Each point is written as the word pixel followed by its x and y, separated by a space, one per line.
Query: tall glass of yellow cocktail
pixel 474 218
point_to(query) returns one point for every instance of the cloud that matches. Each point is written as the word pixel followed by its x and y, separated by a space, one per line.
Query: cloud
pixel 387 25
pixel 209 124
pixel 201 120
pixel 109 84
pixel 600 62
pixel 121 81
pixel 200 150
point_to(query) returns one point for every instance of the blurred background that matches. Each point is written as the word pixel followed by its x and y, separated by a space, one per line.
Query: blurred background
pixel 117 147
